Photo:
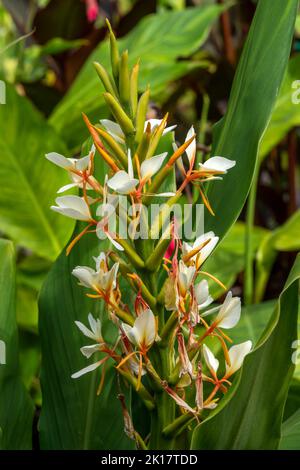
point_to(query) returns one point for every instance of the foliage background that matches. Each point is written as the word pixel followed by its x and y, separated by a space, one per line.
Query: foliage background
pixel 189 53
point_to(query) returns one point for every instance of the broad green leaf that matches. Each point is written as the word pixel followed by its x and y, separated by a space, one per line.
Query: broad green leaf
pixel 158 40
pixel 28 181
pixel 229 258
pixel 253 95
pixel 286 113
pixel 250 415
pixel 73 416
pixel 290 439
pixel 16 408
pixel 284 238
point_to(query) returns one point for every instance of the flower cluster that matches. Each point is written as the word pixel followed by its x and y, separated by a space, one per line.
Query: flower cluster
pixel 164 333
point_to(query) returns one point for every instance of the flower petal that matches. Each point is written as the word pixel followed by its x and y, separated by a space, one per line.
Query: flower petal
pixel 211 361
pixel 230 312
pixel 191 149
pixel 152 165
pixel 59 160
pixel 114 130
pixel 122 183
pixel 86 370
pixel 218 164
pixel 237 355
pixel 88 351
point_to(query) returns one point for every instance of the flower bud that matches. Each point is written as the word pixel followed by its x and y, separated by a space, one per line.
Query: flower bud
pixel 119 114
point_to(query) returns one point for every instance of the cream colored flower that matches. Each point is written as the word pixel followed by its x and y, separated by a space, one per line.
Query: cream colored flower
pixel 144 331
pixel 102 279
pixel 237 355
pixel 74 207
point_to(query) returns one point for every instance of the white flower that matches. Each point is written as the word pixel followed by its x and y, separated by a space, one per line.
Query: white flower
pixel 144 331
pixel 217 164
pixel 74 207
pixel 100 279
pixel 152 165
pixel 122 182
pixel 197 254
pixel 202 294
pixel 191 149
pixel 116 132
pixel 230 312
pixel 211 361
pixel 185 277
pixel 2 352
pixel 75 168
pixel 93 333
pixel 237 355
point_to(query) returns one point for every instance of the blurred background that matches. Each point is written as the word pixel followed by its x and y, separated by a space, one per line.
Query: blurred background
pixel 189 55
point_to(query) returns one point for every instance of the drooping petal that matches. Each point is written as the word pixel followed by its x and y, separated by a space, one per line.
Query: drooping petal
pixel 237 355
pixel 122 183
pixel 211 361
pixel 72 206
pixel 152 165
pixel 59 160
pixel 86 370
pixel 88 351
pixel 66 187
pixel 229 313
pixel 218 164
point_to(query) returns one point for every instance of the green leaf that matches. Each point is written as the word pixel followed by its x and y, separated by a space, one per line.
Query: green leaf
pixel 290 439
pixel 72 415
pixel 286 114
pixel 28 181
pixel 252 98
pixel 229 258
pixel 250 415
pixel 156 40
pixel 284 238
pixel 16 408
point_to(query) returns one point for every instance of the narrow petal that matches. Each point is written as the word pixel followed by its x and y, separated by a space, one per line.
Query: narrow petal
pixel 211 361
pixel 95 326
pixel 66 187
pixel 88 333
pixel 191 149
pixel 59 160
pixel 86 370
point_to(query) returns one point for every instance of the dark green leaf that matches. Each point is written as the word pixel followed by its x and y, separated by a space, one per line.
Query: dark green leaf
pixel 16 408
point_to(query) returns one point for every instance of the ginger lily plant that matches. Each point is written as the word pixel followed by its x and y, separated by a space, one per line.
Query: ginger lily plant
pixel 161 349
